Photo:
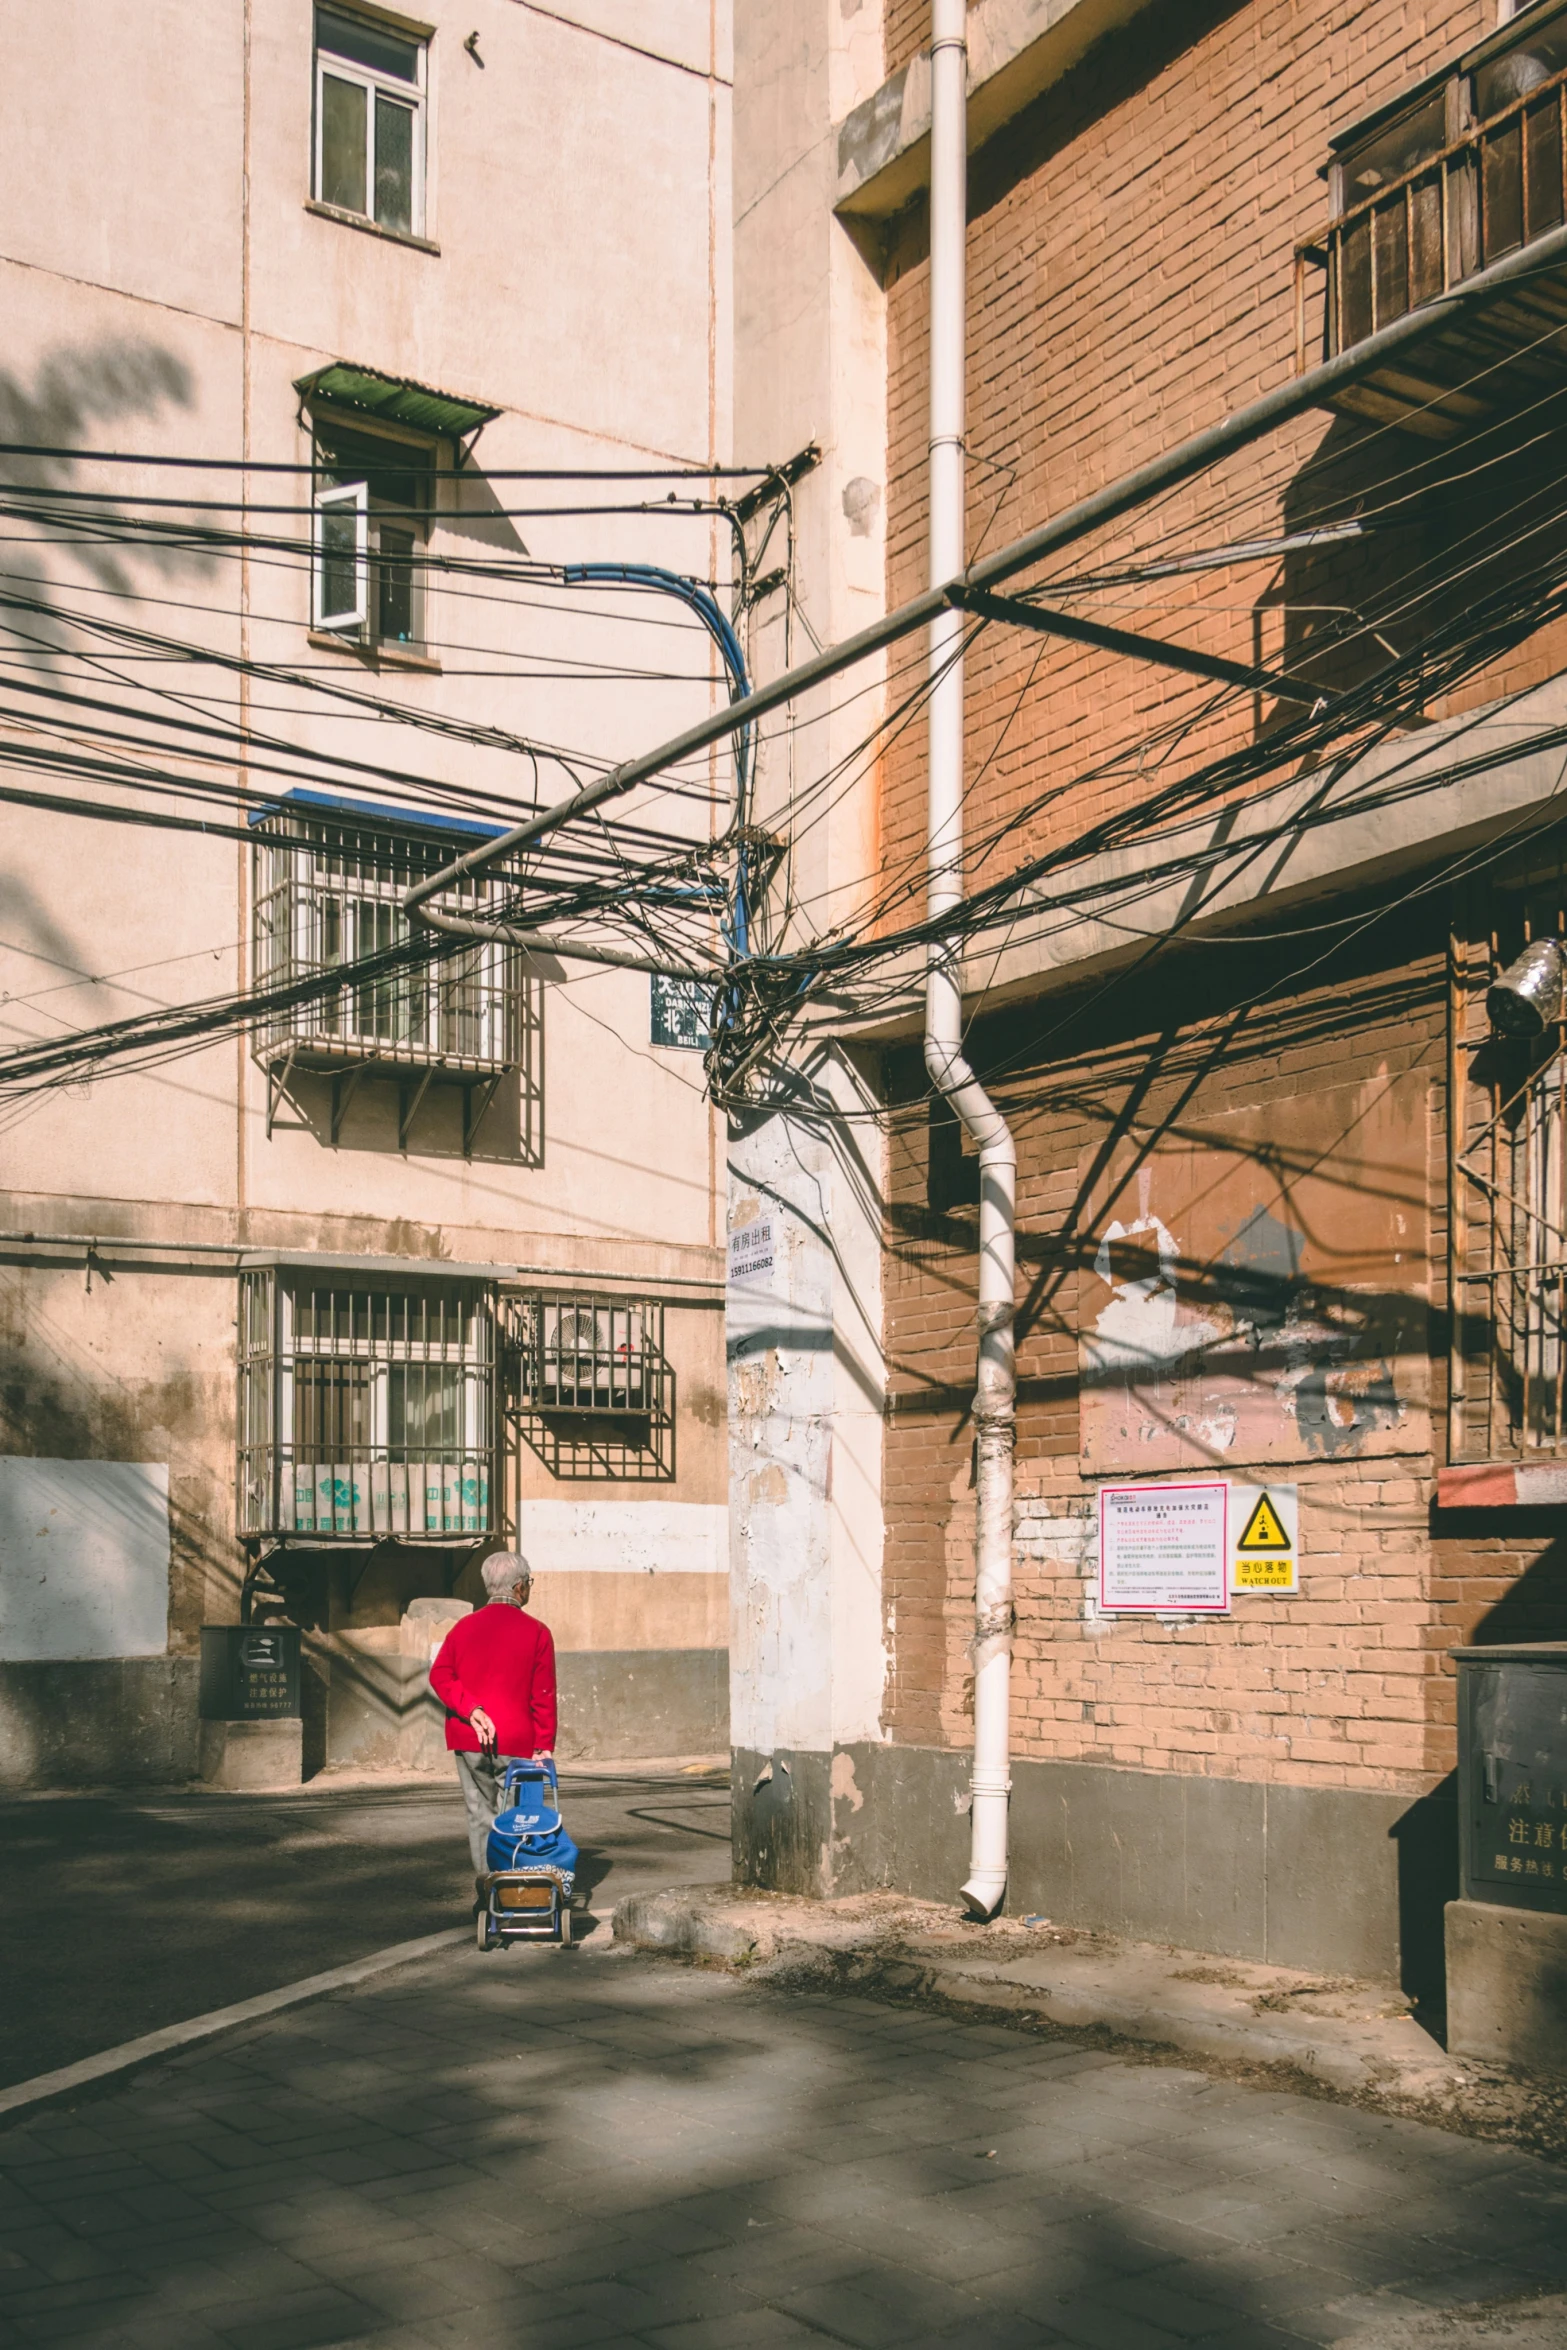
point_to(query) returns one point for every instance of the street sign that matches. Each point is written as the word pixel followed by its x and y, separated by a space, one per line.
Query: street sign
pixel 1265 1532
pixel 1164 1549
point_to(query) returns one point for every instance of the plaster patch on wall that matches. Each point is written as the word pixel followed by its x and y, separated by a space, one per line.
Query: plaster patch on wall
pixel 625 1537
pixel 1255 1299
pixel 84 1559
pixel 845 1787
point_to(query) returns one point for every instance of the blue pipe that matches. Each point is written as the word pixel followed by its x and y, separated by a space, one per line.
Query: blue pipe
pixel 705 605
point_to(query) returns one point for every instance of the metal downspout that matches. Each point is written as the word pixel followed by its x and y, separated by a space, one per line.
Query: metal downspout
pixel 994 1402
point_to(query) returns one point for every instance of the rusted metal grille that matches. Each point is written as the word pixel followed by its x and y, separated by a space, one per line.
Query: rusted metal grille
pixel 366 1411
pixel 588 1384
pixel 1508 1239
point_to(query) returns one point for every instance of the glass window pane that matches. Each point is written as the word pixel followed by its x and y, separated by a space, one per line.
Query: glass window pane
pixel 397 472
pixel 370 45
pixel 343 129
pixel 423 1409
pixel 394 165
pixel 395 588
pixel 339 529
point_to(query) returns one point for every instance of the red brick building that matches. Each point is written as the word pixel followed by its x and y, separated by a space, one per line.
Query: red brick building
pixel 1288 1212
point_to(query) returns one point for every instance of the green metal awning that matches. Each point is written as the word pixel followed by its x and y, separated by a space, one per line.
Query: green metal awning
pixel 396 400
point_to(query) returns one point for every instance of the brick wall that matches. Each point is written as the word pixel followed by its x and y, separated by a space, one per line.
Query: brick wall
pixel 1130 258
pixel 1347 1685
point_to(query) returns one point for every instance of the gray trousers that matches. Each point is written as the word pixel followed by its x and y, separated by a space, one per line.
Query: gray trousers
pixel 480 1776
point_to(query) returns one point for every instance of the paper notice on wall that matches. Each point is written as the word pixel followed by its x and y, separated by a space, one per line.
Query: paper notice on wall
pixel 1164 1549
pixel 751 1250
pixel 1264 1537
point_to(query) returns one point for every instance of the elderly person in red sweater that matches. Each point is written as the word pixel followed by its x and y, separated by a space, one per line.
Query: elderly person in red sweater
pixel 495 1675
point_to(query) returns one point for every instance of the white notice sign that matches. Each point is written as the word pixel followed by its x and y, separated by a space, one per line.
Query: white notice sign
pixel 1164 1549
pixel 751 1250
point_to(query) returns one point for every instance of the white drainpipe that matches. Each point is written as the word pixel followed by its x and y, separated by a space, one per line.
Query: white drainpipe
pixel 995 1400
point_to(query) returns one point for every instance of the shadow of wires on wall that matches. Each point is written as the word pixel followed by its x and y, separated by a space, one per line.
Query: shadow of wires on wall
pixel 78 396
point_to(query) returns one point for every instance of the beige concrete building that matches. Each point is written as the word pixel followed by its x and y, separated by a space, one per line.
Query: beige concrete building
pixel 300 1318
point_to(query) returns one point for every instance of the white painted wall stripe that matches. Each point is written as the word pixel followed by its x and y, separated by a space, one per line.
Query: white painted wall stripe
pixel 625 1537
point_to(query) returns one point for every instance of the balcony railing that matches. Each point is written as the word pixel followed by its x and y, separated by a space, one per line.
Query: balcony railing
pixel 1500 186
pixel 1472 168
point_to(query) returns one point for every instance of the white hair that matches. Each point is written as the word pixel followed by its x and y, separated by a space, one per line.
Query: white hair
pixel 503 1570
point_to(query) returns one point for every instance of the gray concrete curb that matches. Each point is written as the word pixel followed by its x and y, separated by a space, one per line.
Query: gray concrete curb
pixel 1223 2009
pixel 44 2087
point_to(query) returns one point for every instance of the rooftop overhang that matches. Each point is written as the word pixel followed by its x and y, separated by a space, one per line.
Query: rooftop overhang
pixel 1016 50
pixel 1432 795
pixel 396 399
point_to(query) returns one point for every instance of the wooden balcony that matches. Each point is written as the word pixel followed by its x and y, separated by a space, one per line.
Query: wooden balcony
pixel 1475 191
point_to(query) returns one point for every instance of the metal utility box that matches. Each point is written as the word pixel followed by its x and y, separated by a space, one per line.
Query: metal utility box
pixel 249 1672
pixel 1512 1770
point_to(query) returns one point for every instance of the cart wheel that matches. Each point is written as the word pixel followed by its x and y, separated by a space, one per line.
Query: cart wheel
pixel 484 1929
pixel 564 1915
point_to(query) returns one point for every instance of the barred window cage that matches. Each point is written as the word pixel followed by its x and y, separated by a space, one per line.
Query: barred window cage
pixel 589 1385
pixel 1508 1238
pixel 328 893
pixel 366 1411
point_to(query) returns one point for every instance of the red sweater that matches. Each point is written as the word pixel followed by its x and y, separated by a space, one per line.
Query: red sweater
pixel 502 1661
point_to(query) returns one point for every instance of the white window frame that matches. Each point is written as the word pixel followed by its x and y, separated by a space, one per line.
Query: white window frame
pixel 412 95
pixel 355 496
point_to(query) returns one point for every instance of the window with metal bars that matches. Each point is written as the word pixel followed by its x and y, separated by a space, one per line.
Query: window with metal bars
pixel 1507 1379
pixel 328 895
pixel 366 1411
pixel 588 1383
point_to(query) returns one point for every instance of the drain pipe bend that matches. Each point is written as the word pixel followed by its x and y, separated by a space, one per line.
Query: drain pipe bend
pixel 995 1399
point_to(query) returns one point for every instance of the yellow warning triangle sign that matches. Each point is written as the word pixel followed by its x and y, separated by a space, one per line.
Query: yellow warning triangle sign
pixel 1263 1530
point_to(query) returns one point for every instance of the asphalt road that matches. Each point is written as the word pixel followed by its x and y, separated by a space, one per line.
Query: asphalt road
pixel 120 1913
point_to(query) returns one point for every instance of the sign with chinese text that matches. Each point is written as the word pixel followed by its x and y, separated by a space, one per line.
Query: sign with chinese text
pixel 751 1250
pixel 1264 1538
pixel 1164 1549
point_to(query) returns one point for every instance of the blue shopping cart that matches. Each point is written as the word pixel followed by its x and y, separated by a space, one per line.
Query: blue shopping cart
pixel 525 1894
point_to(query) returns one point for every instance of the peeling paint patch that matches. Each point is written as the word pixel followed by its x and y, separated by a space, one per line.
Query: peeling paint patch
pixel 1258 1304
pixel 844 1787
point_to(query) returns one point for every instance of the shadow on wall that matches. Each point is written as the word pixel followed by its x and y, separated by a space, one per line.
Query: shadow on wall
pixel 73 393
pixel 1458 545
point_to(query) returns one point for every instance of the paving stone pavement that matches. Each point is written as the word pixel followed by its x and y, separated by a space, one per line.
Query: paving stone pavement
pixel 579 2148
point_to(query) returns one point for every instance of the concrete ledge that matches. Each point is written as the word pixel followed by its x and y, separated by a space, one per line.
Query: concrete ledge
pixel 1507 1986
pixel 1016 49
pixel 677 1924
pixel 123 1721
pixel 252 1758
pixel 1353 2036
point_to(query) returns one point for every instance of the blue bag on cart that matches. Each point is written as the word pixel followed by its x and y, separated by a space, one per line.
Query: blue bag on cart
pixel 528 1832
